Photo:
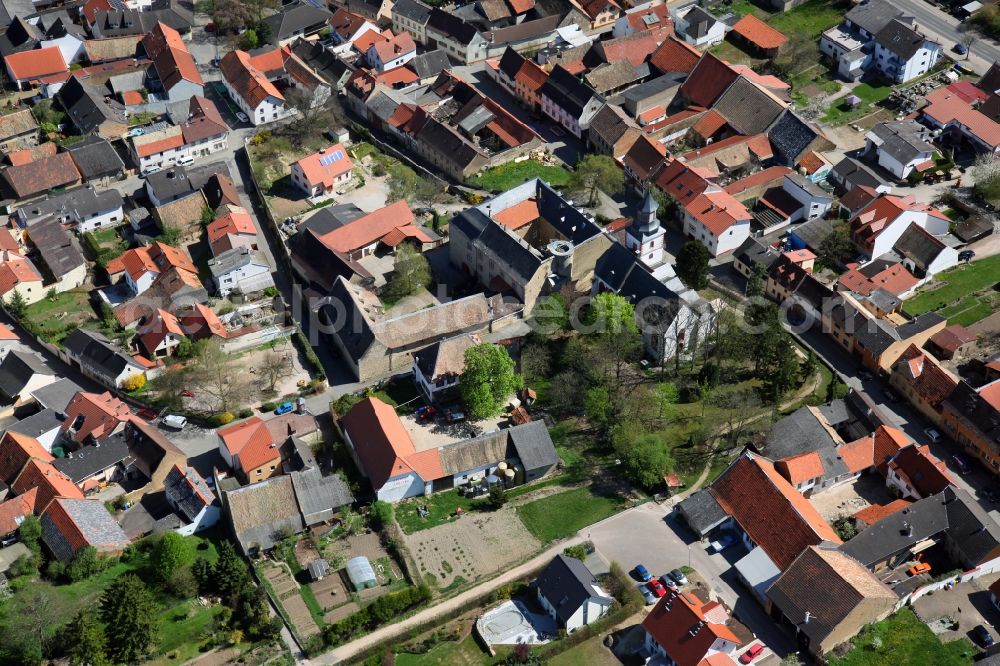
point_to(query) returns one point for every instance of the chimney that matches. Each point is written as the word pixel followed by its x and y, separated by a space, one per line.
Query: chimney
pixel 807 617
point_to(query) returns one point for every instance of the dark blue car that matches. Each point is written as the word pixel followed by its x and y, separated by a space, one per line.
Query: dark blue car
pixel 643 573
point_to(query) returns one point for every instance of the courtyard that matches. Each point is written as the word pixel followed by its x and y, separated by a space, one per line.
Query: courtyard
pixel 849 498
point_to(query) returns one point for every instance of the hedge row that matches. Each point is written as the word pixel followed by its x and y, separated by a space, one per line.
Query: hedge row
pixel 386 608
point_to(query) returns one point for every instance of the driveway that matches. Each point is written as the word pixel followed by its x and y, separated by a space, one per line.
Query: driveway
pixel 967 603
pixel 653 536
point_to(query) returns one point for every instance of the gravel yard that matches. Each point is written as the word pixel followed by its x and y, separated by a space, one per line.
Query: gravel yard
pixel 850 498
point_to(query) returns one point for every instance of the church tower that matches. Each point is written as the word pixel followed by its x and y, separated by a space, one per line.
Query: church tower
pixel 645 237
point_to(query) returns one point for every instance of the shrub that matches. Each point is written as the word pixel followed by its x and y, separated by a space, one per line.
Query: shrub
pixel 268 406
pixel 245 413
pixel 134 382
pixel 224 418
pixel 577 552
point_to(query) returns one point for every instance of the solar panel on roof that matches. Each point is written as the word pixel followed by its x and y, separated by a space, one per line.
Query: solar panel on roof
pixel 327 160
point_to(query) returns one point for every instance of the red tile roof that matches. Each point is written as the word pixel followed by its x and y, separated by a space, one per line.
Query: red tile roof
pixel 637 47
pixel 644 157
pixel 159 325
pixel 50 482
pixel 895 279
pixel 531 75
pixel 132 98
pixel 772 512
pixel 811 162
pixel 708 80
pixel 383 445
pixel 14 270
pixel 771 175
pixel 81 522
pixel 672 621
pixel 202 322
pixel 953 337
pixel 991 394
pixel 395 46
pixel 323 168
pixel 13 511
pixel 170 56
pixel 250 443
pixel 656 16
pixel 102 414
pixel 7 334
pixel 42 175
pixel 758 33
pixel 519 214
pixel 709 124
pixel 15 452
pixel 36 64
pixel 675 55
pixel 172 142
pixel 368 229
pixel 873 219
pixel 714 208
pixel 929 381
pixel 800 468
pixel 875 512
pixel 945 106
pixel 921 469
pixel 249 82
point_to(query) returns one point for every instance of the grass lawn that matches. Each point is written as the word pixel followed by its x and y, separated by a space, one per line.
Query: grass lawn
pixel 506 176
pixel 952 285
pixel 51 318
pixel 840 113
pixel 463 653
pixel 563 514
pixel 904 639
pixel 181 625
pixel 441 507
pixel 591 652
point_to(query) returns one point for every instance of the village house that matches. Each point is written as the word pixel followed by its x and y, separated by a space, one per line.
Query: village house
pixel 385 453
pixel 323 173
pixel 901 147
pixel 437 368
pixel 83 207
pixel 570 593
pixel 98 358
pixel 240 270
pixel 257 449
pixel 174 70
pixel 683 630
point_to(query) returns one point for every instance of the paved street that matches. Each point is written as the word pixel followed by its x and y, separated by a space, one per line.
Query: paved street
pixel 652 535
pixel 943 27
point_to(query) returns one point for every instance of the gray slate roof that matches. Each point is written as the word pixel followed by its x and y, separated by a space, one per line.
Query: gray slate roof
pixel 294 18
pixel 952 513
pixel 799 432
pixel 566 583
pixel 78 204
pixel 533 445
pixel 900 39
pixel 412 9
pixel 873 15
pixel 89 460
pixel 317 493
pixel 57 395
pixel 18 368
pixel 59 250
pixel 96 351
pixel 96 158
pixel 187 490
pixel 37 424
pixel 95 524
pixel 904 140
pixel 702 511
pixel 747 108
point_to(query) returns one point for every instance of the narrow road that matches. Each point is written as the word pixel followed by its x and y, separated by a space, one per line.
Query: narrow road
pixel 388 633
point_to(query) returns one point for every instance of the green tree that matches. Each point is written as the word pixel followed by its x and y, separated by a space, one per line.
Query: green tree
pixel 594 173
pixel 497 497
pixel 405 183
pixel 645 460
pixel 129 612
pixel 203 575
pixel 249 40
pixel 757 281
pixel 230 571
pixel 692 264
pixel 487 380
pixel 207 215
pixel 30 533
pixel 171 552
pixel 17 306
pixel 410 273
pixel 85 641
pixel 837 249
pixel 611 314
pixel 550 315
pixel 85 563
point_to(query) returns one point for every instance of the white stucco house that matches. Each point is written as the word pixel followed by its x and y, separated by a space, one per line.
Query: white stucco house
pixel 192 500
pixel 901 147
pixel 570 593
pixel 240 269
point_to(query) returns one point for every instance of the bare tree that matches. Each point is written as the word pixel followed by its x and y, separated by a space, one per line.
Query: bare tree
pixel 222 384
pixel 274 368
pixel 313 116
pixel 736 406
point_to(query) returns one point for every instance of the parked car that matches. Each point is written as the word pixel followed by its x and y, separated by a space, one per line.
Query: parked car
pixel 187 394
pixel 961 464
pixel 453 416
pixel 647 595
pixel 668 582
pixel 656 587
pixel 242 117
pixel 723 542
pixel 425 412
pixel 752 653
pixel 960 49
pixel 919 568
pixel 966 255
pixel 284 408
pixel 175 421
pixel 932 434
pixel 982 636
pixel 642 573
pixel 678 577
pixel 147 413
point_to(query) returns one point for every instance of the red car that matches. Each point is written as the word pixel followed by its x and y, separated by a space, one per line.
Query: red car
pixel 187 394
pixel 656 587
pixel 147 413
pixel 751 654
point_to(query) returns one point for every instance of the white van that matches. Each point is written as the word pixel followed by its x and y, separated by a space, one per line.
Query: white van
pixel 174 421
pixel 185 161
